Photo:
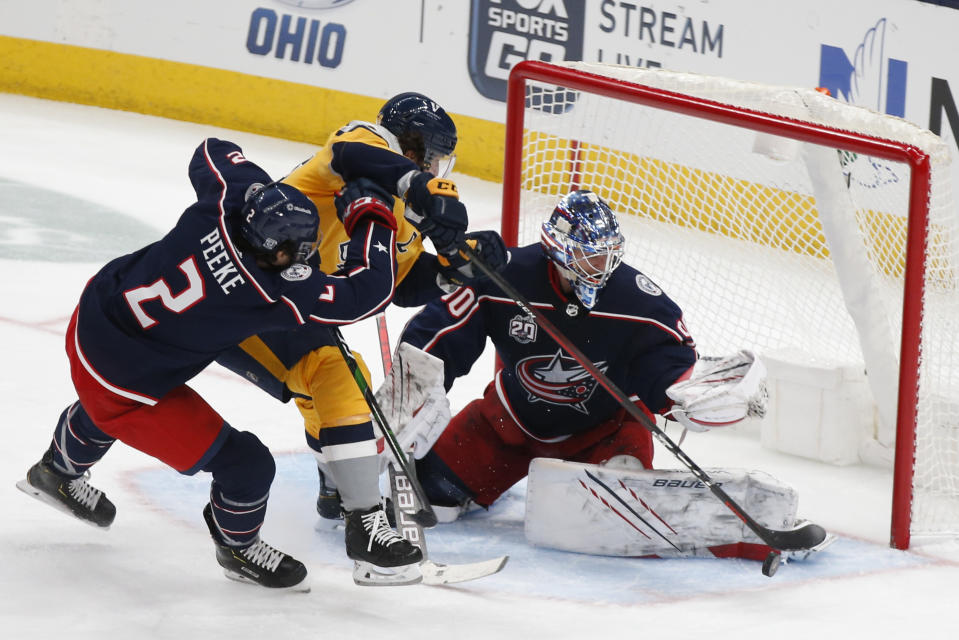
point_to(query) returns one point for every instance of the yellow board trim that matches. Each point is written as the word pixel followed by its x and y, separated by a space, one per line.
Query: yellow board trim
pixel 216 97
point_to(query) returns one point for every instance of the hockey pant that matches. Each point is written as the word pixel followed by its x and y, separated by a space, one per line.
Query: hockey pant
pixel 182 431
pixel 483 452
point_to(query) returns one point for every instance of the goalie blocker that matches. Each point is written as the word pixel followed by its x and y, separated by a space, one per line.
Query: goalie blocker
pixel 650 513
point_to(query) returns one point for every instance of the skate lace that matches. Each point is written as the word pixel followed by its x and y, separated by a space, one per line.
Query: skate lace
pixel 83 493
pixel 262 554
pixel 379 529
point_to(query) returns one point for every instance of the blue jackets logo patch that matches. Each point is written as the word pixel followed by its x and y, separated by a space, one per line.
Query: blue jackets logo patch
pixel 557 379
pixel 296 272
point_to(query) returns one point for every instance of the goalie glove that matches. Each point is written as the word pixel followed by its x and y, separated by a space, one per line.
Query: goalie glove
pixel 433 207
pixel 457 270
pixel 360 199
pixel 721 391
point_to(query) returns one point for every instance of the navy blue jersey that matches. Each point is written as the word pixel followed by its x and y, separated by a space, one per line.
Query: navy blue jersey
pixel 151 320
pixel 634 334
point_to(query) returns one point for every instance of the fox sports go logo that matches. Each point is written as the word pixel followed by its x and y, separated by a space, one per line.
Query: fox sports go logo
pixel 504 32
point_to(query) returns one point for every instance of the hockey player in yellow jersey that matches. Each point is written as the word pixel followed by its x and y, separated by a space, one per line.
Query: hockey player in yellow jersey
pixel 403 160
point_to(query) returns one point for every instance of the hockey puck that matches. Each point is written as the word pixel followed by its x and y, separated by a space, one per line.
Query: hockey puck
pixel 771 564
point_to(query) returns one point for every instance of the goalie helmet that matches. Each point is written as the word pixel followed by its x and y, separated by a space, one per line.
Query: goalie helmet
pixel 421 126
pixel 583 240
pixel 278 216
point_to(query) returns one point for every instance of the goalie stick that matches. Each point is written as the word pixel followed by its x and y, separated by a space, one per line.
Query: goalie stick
pixel 803 536
pixel 405 503
pixel 425 515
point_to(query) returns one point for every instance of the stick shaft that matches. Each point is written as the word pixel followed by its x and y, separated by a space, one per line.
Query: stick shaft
pixel 426 516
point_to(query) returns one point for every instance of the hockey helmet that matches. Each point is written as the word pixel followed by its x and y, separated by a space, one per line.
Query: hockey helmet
pixel 278 216
pixel 421 126
pixel 583 239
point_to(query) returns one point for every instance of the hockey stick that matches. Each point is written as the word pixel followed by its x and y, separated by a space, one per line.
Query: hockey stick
pixel 405 504
pixel 386 355
pixel 804 536
pixel 425 515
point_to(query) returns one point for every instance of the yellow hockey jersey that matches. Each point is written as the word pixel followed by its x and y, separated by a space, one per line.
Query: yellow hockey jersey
pixel 355 150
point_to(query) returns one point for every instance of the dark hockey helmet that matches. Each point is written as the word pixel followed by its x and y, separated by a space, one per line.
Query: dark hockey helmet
pixel 583 239
pixel 278 216
pixel 421 126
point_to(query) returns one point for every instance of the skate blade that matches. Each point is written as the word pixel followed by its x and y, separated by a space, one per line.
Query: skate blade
pixel 33 492
pixel 301 587
pixel 370 575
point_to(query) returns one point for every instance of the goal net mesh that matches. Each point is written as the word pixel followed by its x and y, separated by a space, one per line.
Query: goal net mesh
pixel 789 248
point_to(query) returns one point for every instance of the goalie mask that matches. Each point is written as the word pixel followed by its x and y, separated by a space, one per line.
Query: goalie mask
pixel 423 127
pixel 583 240
pixel 278 216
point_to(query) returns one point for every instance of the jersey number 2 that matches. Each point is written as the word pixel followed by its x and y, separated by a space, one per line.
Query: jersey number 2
pixel 178 303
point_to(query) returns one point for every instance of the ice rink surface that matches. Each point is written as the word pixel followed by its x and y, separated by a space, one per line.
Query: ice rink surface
pixel 81 185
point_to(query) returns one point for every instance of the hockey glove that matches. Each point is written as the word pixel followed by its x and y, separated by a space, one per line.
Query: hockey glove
pixel 720 392
pixel 433 207
pixel 360 199
pixel 458 270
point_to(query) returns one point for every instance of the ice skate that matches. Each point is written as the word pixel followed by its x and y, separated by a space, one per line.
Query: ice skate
pixel 72 495
pixel 328 503
pixel 258 563
pixel 382 557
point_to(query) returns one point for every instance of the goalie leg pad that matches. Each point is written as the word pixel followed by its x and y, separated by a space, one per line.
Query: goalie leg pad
pixel 607 511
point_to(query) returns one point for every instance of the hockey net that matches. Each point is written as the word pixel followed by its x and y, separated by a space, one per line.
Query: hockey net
pixel 781 220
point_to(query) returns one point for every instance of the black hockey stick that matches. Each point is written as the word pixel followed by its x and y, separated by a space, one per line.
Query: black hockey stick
pixel 425 516
pixel 805 536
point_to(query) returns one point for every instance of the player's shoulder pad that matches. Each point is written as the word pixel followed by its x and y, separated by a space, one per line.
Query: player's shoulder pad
pixel 636 279
pixel 218 148
pixel 632 291
pixel 366 133
pixel 521 258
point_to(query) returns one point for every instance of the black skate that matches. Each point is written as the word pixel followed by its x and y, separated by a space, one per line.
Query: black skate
pixel 330 506
pixel 328 502
pixel 258 563
pixel 69 494
pixel 374 546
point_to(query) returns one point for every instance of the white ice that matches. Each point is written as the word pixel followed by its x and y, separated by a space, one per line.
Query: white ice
pixel 80 185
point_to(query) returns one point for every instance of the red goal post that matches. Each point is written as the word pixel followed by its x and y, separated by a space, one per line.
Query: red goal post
pixel 748 175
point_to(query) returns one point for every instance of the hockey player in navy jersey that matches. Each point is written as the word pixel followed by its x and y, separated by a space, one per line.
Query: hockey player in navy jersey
pixel 239 261
pixel 403 158
pixel 542 403
pixel 591 486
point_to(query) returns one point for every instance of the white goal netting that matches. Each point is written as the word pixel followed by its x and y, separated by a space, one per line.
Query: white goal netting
pixel 794 249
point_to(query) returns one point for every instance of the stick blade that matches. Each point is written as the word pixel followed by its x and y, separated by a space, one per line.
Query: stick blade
pixel 805 535
pixel 435 573
pixel 425 517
